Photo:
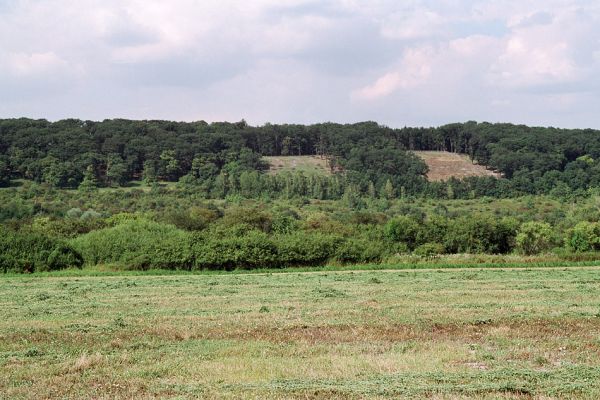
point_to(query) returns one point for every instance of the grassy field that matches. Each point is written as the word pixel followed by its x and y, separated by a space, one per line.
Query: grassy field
pixel 355 334
pixel 306 164
pixel 444 165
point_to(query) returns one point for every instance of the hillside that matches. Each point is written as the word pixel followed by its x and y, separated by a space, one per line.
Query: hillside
pixel 444 165
pixel 306 164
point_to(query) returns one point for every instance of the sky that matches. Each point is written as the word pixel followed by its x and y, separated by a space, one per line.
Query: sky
pixel 400 63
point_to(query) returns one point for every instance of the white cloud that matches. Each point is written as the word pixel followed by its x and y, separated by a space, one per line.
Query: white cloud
pixel 415 68
pixel 26 65
pixel 420 23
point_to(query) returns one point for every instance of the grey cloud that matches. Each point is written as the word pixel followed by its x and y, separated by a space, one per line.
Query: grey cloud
pixel 538 18
pixel 301 61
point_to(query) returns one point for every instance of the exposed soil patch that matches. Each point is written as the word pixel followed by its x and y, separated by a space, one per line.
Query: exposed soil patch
pixel 444 165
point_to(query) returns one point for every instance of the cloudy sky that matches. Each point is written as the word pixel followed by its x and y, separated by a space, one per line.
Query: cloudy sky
pixel 409 62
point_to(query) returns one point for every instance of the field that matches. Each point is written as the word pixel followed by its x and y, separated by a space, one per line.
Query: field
pixel 442 334
pixel 306 164
pixel 444 165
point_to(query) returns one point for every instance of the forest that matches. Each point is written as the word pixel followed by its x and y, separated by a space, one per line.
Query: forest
pixel 220 159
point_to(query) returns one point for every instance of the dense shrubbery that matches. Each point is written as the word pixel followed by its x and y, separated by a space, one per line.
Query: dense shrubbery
pixel 585 236
pixel 29 252
pixel 534 238
pixel 138 244
pixel 174 230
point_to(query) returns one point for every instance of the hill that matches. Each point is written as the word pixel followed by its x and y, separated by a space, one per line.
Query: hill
pixel 444 165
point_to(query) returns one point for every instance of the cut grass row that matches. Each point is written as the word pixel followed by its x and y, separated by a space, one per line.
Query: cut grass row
pixel 110 270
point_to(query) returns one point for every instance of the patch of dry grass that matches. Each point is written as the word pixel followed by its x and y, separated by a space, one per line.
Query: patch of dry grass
pixel 307 164
pixel 444 165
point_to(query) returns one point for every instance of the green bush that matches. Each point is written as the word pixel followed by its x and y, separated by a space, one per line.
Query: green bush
pixel 304 248
pixel 64 256
pixel 29 252
pixel 585 236
pixel 193 219
pixel 402 229
pixel 158 245
pixel 480 234
pixel 254 249
pixel 357 250
pixel 534 238
pixel 66 227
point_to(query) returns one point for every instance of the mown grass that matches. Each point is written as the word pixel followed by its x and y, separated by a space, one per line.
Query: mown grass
pixel 444 334
pixel 306 164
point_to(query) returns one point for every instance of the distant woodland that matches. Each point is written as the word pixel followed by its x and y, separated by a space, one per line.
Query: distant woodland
pixel 368 159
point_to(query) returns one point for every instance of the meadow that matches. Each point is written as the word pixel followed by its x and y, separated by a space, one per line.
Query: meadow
pixel 442 334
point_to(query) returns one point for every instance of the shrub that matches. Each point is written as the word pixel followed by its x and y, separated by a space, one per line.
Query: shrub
pixel 74 213
pixel 303 248
pixel 29 252
pixel 255 217
pixel 402 229
pixel 64 256
pixel 356 250
pixel 90 214
pixel 480 234
pixel 254 249
pixel 585 236
pixel 534 237
pixel 66 227
pixel 158 245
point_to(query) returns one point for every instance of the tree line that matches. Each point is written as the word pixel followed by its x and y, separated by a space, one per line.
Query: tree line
pixel 218 156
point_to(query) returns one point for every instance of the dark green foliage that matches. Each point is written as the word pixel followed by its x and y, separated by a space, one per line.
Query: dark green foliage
pixel 480 234
pixel 303 248
pixel 29 252
pixel 225 158
pixel 193 219
pixel 64 256
pixel 142 243
pixel 5 171
pixel 403 229
pixel 254 249
pixel 359 250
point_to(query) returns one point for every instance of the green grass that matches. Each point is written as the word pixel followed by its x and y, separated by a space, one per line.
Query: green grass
pixel 444 334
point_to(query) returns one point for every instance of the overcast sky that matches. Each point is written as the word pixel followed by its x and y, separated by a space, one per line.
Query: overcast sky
pixel 399 63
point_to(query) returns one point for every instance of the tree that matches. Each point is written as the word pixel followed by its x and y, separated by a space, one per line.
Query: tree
pixel 388 190
pixel 203 168
pixel 169 164
pixel 60 174
pixel 116 170
pixel 89 182
pixel 5 171
pixel 371 190
pixel 286 146
pixel 150 173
